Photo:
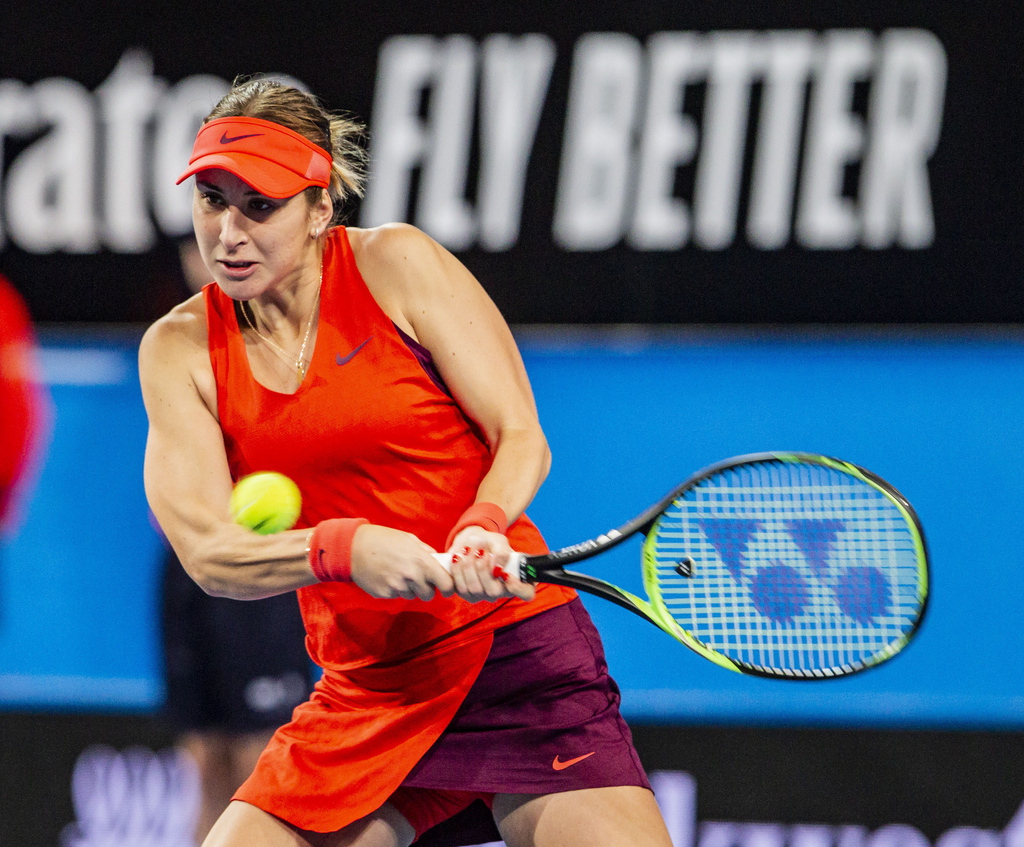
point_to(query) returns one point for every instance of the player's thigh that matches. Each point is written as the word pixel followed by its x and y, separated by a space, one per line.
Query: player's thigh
pixel 616 817
pixel 244 825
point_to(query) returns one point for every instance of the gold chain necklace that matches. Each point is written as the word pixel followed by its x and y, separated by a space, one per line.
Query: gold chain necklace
pixel 298 363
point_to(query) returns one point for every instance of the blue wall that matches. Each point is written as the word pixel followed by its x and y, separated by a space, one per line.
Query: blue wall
pixel 628 416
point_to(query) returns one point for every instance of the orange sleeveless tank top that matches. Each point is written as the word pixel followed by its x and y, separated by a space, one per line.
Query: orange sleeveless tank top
pixel 371 432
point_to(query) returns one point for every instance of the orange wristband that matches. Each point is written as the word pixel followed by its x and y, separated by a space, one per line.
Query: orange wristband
pixel 330 548
pixel 487 515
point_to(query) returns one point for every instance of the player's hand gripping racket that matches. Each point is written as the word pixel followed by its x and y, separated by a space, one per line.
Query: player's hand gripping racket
pixel 787 565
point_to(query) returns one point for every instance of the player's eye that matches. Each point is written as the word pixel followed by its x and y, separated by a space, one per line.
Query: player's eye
pixel 211 197
pixel 261 205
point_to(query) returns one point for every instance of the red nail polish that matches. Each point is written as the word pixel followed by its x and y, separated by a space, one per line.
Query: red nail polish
pixel 500 573
pixel 464 551
pixel 479 554
pixel 455 558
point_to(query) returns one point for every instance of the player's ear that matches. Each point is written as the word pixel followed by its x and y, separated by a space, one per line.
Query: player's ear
pixel 321 213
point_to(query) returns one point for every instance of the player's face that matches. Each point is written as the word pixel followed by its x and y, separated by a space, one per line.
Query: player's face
pixel 250 242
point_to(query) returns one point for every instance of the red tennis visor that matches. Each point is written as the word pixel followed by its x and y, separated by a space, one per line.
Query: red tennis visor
pixel 275 160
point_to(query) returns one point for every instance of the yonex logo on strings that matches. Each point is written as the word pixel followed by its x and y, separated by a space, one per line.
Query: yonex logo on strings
pixel 779 591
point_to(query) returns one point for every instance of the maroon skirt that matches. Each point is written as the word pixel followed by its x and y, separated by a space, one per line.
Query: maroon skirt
pixel 542 717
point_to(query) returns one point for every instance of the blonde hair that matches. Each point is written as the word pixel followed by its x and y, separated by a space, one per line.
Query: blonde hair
pixel 341 136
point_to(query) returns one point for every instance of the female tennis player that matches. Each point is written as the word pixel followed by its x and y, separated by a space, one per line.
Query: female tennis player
pixel 371 367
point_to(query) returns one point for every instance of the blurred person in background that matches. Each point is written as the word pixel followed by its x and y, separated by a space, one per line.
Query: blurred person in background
pixel 23 406
pixel 234 669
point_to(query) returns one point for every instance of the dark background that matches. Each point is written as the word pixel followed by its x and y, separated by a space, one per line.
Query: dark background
pixel 931 780
pixel 969 274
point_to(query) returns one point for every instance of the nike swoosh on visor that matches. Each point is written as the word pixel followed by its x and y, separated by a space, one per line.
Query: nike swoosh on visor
pixel 225 140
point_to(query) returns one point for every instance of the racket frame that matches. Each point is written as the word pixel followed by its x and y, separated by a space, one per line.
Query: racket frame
pixel 549 567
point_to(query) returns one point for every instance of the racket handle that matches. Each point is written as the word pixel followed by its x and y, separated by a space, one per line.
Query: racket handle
pixel 515 562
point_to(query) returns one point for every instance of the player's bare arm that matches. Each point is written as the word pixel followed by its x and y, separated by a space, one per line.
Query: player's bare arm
pixel 188 484
pixel 187 480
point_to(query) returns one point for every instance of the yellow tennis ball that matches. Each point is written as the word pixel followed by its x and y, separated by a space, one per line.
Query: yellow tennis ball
pixel 266 502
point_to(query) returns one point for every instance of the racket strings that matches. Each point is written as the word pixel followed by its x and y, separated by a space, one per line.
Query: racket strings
pixel 793 568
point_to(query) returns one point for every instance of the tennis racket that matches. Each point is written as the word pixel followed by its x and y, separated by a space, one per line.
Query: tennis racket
pixel 785 565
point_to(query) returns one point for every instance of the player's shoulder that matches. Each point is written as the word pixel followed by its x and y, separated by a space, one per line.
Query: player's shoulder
pixel 180 332
pixel 391 245
pixel 401 265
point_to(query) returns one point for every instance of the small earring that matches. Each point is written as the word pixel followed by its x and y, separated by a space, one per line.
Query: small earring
pixel 315 233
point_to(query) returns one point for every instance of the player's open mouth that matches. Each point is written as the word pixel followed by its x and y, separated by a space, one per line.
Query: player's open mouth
pixel 237 270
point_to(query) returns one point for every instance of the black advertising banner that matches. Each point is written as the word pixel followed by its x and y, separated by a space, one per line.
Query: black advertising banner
pixel 115 780
pixel 594 162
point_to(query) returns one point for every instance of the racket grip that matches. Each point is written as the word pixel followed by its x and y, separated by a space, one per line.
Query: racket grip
pixel 515 562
